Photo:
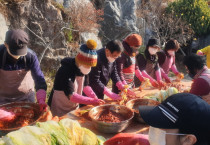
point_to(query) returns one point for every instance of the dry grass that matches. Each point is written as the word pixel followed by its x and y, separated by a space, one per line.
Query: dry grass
pixel 49 78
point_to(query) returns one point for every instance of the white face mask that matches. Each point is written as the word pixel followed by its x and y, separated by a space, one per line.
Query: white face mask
pixel 111 60
pixel 152 50
pixel 158 136
pixel 84 70
pixel 171 53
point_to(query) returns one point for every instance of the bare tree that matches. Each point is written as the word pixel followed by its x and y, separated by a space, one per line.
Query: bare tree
pixel 46 44
pixel 164 25
pixel 83 16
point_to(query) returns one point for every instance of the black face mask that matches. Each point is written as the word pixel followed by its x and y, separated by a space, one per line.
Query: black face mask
pixel 134 50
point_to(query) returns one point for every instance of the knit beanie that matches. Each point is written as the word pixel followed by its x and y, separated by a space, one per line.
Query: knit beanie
pixel 134 40
pixel 87 54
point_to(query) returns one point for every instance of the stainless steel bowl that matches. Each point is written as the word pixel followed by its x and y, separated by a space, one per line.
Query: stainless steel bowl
pixel 135 103
pixel 35 107
pixel 107 127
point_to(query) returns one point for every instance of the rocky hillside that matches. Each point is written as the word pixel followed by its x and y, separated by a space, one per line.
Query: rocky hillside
pixel 46 21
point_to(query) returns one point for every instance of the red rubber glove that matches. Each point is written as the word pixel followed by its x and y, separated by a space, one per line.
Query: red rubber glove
pixel 128 139
pixel 41 97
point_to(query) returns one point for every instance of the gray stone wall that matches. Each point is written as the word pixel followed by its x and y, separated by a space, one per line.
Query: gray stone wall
pixel 3 28
pixel 119 19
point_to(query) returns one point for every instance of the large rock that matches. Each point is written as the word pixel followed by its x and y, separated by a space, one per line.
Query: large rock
pixel 46 21
pixel 67 3
pixel 119 19
pixel 3 28
pixel 42 21
pixel 99 3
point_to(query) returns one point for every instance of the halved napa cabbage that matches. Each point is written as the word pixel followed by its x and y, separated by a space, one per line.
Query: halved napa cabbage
pixel 152 97
pixel 89 138
pixel 101 140
pixel 66 132
pixel 73 130
pixel 58 136
pixel 163 95
pixel 172 91
pixel 28 135
pixel 2 142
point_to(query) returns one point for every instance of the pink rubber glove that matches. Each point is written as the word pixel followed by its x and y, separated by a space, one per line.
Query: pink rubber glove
pixel 6 116
pixel 174 69
pixel 76 98
pixel 124 82
pixel 89 92
pixel 111 95
pixel 152 81
pixel 200 53
pixel 158 75
pixel 139 75
pixel 120 85
pixel 165 76
pixel 41 97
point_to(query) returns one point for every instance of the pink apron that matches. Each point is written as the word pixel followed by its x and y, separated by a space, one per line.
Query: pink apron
pixel 61 105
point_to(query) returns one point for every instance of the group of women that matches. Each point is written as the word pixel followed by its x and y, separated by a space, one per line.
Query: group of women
pixel 90 71
pixel 84 79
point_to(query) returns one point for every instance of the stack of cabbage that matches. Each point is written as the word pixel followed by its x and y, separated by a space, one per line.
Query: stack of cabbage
pixel 65 132
pixel 163 94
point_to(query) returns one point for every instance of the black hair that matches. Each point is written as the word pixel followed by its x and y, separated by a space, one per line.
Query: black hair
pixel 115 45
pixel 194 62
pixel 172 45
